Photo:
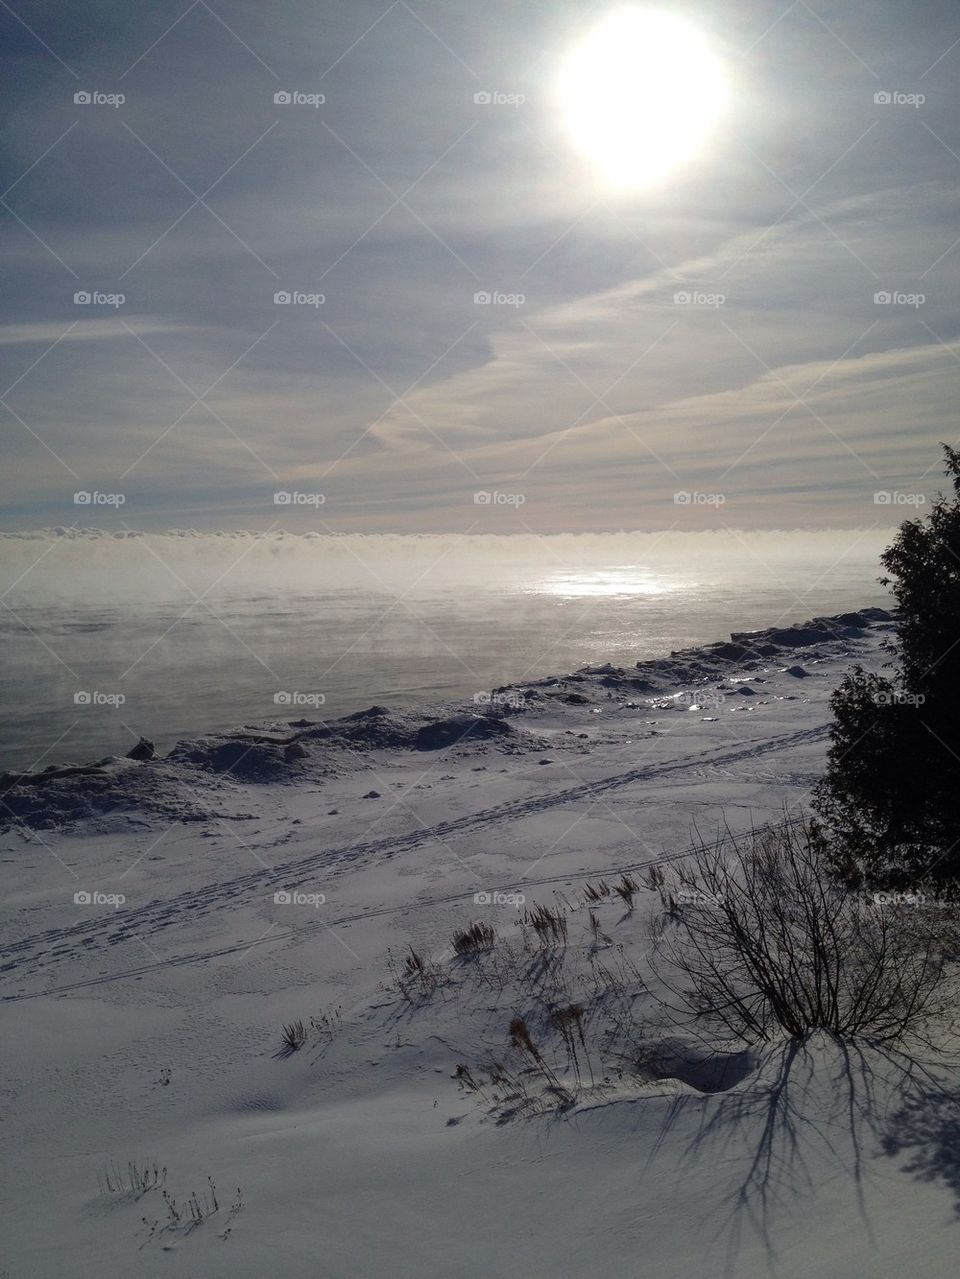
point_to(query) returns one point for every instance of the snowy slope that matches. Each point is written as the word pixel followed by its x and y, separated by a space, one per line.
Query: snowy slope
pixel 149 1029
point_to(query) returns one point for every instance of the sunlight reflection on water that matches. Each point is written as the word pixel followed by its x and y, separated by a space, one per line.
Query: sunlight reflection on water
pixel 614 583
pixel 429 619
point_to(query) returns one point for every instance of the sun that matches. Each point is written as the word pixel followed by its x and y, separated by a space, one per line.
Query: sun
pixel 641 95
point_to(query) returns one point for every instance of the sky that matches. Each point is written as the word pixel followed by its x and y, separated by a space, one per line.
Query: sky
pixel 764 337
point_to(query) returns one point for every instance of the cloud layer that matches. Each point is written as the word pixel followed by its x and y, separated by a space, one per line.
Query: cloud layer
pixel 469 309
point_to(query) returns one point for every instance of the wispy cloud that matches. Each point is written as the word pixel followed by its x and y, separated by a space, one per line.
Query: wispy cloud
pixel 487 313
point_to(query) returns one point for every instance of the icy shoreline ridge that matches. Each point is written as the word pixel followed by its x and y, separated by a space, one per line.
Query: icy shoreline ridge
pixel 507 720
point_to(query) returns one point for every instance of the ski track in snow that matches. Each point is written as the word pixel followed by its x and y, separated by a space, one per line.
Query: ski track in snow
pixel 60 945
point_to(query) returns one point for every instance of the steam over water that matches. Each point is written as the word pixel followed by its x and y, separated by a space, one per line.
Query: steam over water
pixel 107 637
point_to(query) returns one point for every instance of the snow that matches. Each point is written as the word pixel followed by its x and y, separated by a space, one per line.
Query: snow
pixel 262 885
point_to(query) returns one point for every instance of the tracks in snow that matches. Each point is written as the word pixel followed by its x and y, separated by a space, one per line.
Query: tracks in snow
pixel 91 936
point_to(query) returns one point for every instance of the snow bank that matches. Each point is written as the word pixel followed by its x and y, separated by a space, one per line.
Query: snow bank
pixel 177 785
pixel 153 950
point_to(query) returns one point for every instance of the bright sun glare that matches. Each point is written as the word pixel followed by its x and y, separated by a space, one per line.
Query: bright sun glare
pixel 641 94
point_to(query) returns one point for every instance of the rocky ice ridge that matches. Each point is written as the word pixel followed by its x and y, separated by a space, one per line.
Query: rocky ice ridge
pixel 201 776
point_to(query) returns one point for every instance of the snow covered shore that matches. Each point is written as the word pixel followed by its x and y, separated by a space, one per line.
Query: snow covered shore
pixel 165 918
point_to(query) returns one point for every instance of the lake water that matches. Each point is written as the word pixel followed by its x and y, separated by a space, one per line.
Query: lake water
pixel 106 637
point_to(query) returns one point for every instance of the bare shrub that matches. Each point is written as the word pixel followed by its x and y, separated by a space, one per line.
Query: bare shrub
pixel 767 943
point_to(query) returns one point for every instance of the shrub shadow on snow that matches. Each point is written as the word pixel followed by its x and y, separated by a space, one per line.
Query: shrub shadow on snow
pixel 926 1128
pixel 819 1106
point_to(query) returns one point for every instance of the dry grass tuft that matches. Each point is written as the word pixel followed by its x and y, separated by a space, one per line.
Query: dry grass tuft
pixel 474 939
pixel 549 924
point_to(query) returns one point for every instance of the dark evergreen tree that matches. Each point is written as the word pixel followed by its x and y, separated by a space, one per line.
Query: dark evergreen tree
pixel 889 799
